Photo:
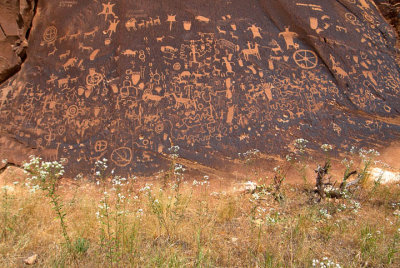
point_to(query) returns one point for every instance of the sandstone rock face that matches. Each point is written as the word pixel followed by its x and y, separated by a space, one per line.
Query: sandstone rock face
pixel 126 80
pixel 391 10
pixel 15 23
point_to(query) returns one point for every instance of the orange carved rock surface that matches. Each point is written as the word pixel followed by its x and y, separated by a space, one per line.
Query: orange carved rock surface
pixel 126 80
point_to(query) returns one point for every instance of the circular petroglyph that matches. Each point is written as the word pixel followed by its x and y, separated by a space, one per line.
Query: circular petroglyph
pixel 122 156
pixel 306 59
pixel 72 111
pixel 177 66
pixel 350 17
pixel 50 34
pixel 100 145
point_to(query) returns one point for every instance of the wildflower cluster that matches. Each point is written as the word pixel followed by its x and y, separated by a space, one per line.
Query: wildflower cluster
pixel 342 207
pixel 103 207
pixel 173 150
pixel 113 211
pixel 203 182
pixel 7 189
pixel 367 154
pixel 100 168
pixel 347 163
pixel 355 206
pixel 45 176
pixel 331 190
pixel 301 145
pixel 273 217
pixel 325 263
pixel 367 157
pixel 146 188
pixel 217 194
pixel 326 147
pixel 178 176
pixel 250 186
pixel 324 213
pixel 42 171
pixel 175 171
pixel 296 157
pixel 118 182
pixel 249 155
pixel 395 205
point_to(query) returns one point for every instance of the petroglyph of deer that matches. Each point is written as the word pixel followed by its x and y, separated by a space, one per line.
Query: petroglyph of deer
pixel 65 55
pixel 168 49
pixel 84 48
pixel 160 39
pixel 149 22
pixel 52 52
pixel 186 102
pixel 157 21
pixel 185 74
pixel 131 24
pixel 216 71
pixel 74 36
pixel 70 63
pixel 129 53
pixel 62 83
pixel 152 97
pixel 64 38
pixel 91 33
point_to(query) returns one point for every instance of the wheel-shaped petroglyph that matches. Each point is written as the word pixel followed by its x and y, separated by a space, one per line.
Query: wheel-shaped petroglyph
pixel 306 59
pixel 100 145
pixel 50 34
pixel 122 156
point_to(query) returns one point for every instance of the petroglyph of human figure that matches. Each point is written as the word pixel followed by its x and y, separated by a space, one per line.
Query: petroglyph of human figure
pixel 108 10
pixel 193 52
pixel 112 28
pixel 52 79
pixel 228 65
pixel 255 30
pixel 289 38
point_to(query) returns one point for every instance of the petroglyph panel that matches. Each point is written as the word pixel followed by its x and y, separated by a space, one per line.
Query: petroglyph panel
pixel 126 80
